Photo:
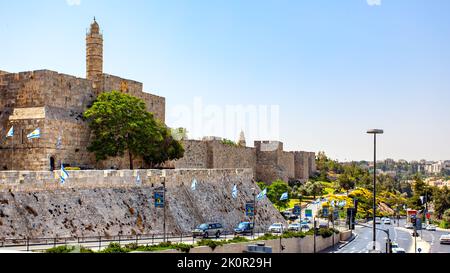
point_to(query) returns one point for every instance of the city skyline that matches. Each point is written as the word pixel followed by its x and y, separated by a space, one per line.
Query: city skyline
pixel 379 71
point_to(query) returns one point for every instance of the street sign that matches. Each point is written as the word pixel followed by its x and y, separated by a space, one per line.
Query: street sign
pixel 159 199
pixel 336 214
pixel 325 212
pixel 297 210
pixel 308 213
pixel 250 209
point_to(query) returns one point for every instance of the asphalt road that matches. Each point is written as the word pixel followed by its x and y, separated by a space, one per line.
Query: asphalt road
pixel 363 242
pixel 401 236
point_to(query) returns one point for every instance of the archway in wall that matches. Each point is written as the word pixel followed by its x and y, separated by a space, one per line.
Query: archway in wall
pixel 52 163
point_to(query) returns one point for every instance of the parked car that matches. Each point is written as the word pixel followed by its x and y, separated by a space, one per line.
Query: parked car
pixel 387 221
pixel 293 217
pixel 378 220
pixel 431 228
pixel 445 239
pixel 208 229
pixel 295 227
pixel 307 220
pixel 244 228
pixel 277 228
pixel 398 250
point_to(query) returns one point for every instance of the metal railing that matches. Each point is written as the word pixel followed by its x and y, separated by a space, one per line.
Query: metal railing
pixel 100 242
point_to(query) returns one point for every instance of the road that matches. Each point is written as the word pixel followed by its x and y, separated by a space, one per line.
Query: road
pixel 400 235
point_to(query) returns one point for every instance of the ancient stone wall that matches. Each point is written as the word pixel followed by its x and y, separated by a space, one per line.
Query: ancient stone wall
pixel 195 156
pixel 93 203
pixel 287 162
pixel 301 165
pixel 227 156
pixel 155 104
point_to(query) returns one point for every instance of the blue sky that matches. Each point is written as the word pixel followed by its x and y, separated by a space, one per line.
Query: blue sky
pixel 334 68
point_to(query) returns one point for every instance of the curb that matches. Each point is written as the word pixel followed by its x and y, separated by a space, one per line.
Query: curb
pixel 349 241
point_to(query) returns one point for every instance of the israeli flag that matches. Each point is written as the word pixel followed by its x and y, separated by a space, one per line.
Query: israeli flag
pixel 421 199
pixel 64 175
pixel 35 134
pixel 235 192
pixel 342 203
pixel 332 203
pixel 59 143
pixel 138 180
pixel 262 195
pixel 10 132
pixel 284 197
pixel 194 185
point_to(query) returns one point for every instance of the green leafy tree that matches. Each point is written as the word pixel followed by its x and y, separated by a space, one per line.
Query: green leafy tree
pixel 441 201
pixel 314 188
pixel 346 182
pixel 121 124
pixel 274 192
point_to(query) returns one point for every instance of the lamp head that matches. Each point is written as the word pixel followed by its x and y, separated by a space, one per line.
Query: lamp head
pixel 375 131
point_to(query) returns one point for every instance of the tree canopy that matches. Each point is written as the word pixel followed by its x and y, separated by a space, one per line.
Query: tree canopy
pixel 120 123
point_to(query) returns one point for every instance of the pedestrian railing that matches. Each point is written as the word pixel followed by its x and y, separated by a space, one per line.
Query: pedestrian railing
pixel 100 242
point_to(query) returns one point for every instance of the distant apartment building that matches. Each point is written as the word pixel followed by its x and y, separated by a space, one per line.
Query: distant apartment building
pixel 435 167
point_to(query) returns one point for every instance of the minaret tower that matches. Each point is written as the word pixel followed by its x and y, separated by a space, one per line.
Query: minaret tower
pixel 94 55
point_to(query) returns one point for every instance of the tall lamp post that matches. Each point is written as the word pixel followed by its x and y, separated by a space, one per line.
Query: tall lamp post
pixel 254 210
pixel 375 132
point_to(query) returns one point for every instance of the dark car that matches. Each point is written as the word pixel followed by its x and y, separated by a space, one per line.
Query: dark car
pixel 207 230
pixel 244 228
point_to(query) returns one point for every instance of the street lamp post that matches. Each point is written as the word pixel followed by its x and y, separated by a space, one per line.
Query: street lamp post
pixel 375 132
pixel 164 208
pixel 254 211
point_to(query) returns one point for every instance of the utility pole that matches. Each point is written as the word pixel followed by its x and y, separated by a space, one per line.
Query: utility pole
pixel 375 132
pixel 164 208
pixel 315 234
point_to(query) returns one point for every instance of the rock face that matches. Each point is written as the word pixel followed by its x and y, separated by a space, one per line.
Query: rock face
pixel 106 203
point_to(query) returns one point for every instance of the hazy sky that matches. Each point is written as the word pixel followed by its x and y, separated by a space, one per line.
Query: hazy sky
pixel 334 68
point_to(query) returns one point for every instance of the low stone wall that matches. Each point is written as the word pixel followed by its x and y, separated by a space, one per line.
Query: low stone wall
pixel 102 203
pixel 292 245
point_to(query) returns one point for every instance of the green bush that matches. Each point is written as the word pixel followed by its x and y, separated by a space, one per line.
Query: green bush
pixel 443 224
pixel 291 234
pixel 69 249
pixel 115 248
pixel 267 236
pixel 212 244
pixel 238 239
pixel 325 232
pixel 184 247
pixel 61 249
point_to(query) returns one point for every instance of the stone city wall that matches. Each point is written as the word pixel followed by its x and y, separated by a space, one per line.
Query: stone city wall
pixel 155 104
pixel 94 203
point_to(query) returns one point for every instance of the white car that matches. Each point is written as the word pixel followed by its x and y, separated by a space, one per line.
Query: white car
pixel 398 250
pixel 377 220
pixel 277 228
pixel 445 239
pixel 295 227
pixel 431 228
pixel 387 221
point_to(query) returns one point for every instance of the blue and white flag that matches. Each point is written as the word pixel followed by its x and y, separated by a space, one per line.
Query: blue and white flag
pixel 234 193
pixel 59 142
pixel 138 180
pixel 64 175
pixel 332 203
pixel 262 195
pixel 342 203
pixel 194 185
pixel 10 132
pixel 35 134
pixel 284 196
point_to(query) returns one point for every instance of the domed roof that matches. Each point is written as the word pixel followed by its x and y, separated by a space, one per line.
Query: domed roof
pixel 95 28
